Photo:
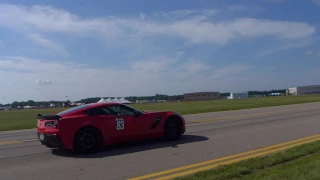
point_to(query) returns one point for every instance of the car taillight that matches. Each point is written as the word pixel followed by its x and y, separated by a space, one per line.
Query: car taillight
pixel 51 124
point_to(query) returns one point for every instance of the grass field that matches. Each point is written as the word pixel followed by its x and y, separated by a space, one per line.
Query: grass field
pixel 298 163
pixel 24 119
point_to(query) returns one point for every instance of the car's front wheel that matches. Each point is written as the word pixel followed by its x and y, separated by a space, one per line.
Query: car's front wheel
pixel 87 140
pixel 173 129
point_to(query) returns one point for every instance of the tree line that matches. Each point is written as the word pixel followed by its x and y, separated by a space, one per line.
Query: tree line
pixel 16 104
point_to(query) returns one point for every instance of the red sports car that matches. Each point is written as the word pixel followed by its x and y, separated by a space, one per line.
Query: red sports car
pixel 89 127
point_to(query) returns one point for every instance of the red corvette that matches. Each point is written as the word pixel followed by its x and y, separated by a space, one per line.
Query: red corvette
pixel 89 127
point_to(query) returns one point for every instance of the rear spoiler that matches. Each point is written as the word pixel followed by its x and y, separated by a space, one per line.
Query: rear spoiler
pixel 48 117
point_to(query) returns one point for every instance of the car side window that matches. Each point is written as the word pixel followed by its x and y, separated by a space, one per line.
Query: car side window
pixel 122 110
pixel 98 111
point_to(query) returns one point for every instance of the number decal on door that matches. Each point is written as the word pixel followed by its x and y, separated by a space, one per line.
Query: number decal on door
pixel 120 123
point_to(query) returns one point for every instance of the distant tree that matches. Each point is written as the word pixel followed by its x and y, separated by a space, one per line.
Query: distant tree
pixel 30 103
pixel 15 104
pixel 266 93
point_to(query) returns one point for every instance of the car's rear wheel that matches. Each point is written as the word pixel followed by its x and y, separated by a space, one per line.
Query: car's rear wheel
pixel 88 140
pixel 173 129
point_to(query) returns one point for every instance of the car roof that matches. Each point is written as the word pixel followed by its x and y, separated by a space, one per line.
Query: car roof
pixel 77 109
pixel 99 104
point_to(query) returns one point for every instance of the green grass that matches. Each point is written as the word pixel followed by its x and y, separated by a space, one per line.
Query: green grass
pixel 24 119
pixel 193 107
pixel 298 163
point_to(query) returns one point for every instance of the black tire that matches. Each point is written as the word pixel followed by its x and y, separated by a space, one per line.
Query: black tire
pixel 87 141
pixel 172 129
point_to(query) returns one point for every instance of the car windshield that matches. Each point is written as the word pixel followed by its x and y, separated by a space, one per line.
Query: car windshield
pixel 73 109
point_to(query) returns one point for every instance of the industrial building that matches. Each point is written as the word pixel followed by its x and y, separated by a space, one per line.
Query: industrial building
pixel 314 89
pixel 242 95
pixel 201 96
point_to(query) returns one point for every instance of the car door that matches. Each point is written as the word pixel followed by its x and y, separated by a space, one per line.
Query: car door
pixel 104 119
pixel 122 122
pixel 140 124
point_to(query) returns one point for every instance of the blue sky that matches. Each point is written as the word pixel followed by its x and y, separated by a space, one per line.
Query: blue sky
pixel 53 49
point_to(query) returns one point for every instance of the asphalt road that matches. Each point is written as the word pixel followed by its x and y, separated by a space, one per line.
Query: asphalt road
pixel 209 136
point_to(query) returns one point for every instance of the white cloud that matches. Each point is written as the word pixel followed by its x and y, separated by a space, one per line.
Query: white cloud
pixel 195 66
pixel 187 13
pixel 182 13
pixel 244 8
pixel 42 82
pixel 285 45
pixel 179 53
pixel 211 12
pixel 199 31
pixel 290 45
pixel 317 2
pixel 50 20
pixel 196 28
pixel 275 1
pixel 308 52
pixel 161 13
pixel 239 7
pixel 234 70
pixel 46 43
pixel 157 64
pixel 145 77
pixel 316 73
pixel 142 16
pixel 169 74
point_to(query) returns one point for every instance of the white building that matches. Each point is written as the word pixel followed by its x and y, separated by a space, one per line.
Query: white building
pixel 242 95
pixel 314 89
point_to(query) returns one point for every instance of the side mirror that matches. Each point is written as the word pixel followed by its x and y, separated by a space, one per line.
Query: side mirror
pixel 136 114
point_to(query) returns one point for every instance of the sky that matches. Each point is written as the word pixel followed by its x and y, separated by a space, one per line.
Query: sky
pixel 77 48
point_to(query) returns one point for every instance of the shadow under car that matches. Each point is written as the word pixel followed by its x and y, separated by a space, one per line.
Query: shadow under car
pixel 132 147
